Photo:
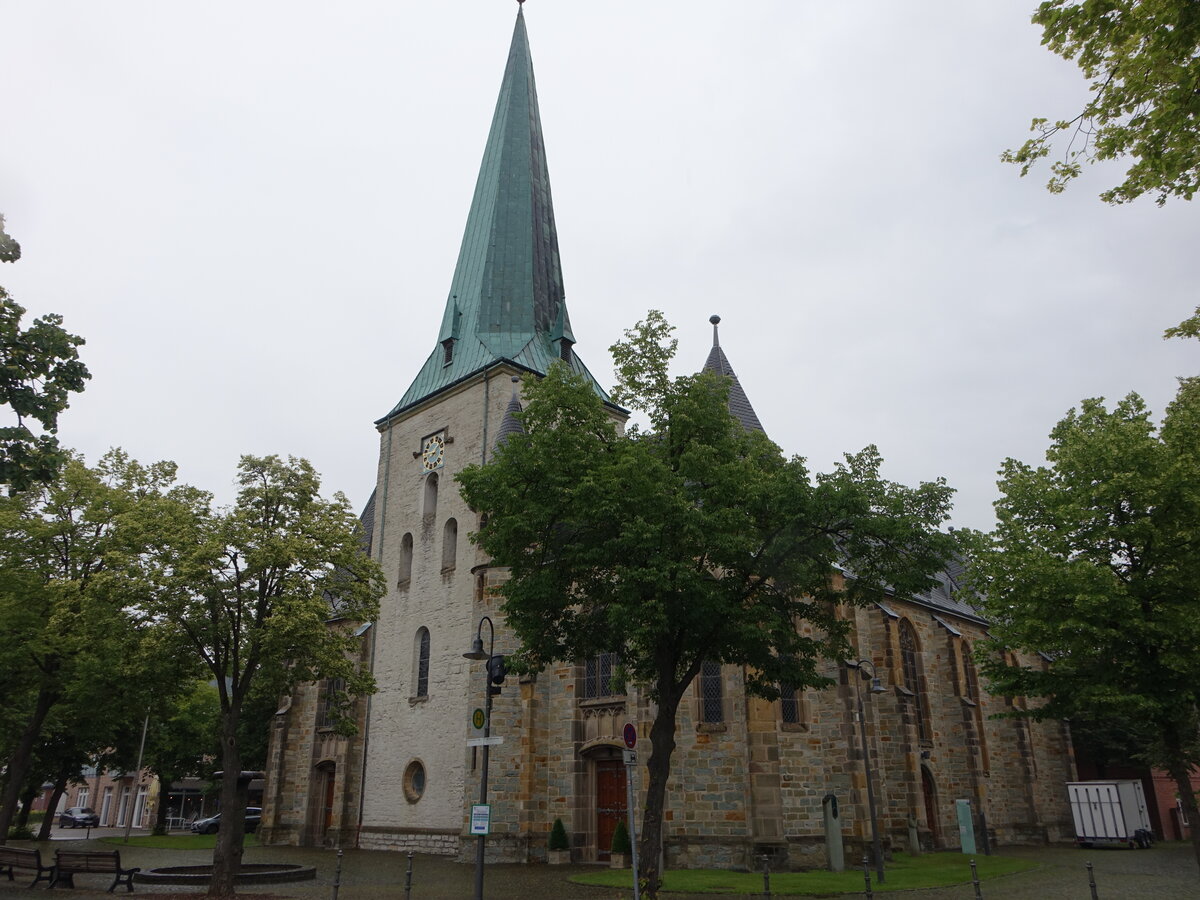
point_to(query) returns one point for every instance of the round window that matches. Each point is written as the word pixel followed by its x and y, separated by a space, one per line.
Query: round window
pixel 414 781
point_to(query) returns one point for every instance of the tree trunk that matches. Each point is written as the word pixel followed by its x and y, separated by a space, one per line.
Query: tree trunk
pixel 27 799
pixel 1182 773
pixel 48 822
pixel 164 810
pixel 227 854
pixel 18 764
pixel 662 738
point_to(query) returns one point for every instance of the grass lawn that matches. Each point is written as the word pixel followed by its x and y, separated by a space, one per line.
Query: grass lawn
pixel 176 841
pixel 904 873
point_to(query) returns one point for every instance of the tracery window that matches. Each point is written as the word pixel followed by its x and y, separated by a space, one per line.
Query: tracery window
pixel 598 676
pixel 910 664
pixel 331 696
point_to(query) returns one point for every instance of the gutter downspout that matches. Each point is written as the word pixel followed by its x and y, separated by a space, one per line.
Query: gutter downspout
pixel 366 742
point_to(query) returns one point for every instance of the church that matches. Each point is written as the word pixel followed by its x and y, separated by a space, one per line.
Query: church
pixel 750 777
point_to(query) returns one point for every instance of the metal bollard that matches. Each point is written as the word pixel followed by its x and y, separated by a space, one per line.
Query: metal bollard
pixel 337 877
pixel 866 864
pixel 975 881
pixel 408 878
pixel 766 861
pixel 1092 881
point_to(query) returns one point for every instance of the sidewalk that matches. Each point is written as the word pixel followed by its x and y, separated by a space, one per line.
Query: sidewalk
pixel 1165 872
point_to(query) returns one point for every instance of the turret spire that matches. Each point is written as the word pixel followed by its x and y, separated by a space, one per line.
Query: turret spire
pixel 739 403
pixel 506 300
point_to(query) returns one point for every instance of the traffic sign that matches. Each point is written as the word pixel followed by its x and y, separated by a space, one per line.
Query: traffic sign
pixel 630 757
pixel 486 741
pixel 477 719
pixel 630 735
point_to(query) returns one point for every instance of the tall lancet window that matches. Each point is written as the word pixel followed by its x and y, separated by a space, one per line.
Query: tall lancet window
pixel 911 666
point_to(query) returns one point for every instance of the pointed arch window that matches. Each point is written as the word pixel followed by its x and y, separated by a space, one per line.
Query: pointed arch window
pixel 910 663
pixel 421 655
pixel 332 692
pixel 449 544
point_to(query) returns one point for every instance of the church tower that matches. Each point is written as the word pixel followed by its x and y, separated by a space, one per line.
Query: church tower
pixel 505 316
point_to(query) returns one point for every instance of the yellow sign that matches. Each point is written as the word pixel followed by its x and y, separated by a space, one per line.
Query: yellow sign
pixel 477 719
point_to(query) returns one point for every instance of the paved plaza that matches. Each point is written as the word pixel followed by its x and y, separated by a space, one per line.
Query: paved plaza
pixel 1165 872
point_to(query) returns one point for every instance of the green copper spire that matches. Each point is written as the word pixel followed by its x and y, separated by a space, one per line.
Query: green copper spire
pixel 506 299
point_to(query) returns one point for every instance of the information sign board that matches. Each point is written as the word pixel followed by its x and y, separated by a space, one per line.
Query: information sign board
pixel 481 818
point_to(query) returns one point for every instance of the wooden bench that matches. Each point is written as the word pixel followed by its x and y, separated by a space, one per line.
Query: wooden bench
pixel 70 862
pixel 20 858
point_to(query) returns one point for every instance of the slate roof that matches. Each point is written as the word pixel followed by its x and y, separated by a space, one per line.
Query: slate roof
pixel 510 424
pixel 739 403
pixel 506 301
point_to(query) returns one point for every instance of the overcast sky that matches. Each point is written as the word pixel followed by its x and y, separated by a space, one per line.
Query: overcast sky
pixel 252 212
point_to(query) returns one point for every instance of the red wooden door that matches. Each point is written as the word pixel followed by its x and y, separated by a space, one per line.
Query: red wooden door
pixel 327 810
pixel 610 803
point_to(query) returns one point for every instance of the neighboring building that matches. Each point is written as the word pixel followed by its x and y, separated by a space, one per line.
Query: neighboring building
pixel 749 775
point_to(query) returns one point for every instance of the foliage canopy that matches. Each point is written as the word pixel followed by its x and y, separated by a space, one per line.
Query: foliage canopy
pixel 1095 564
pixel 39 368
pixel 692 541
pixel 1143 60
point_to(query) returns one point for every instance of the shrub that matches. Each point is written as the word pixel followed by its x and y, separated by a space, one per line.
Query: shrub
pixel 558 837
pixel 620 841
pixel 21 833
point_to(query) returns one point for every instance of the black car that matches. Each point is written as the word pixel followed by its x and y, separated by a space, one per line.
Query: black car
pixel 213 823
pixel 78 817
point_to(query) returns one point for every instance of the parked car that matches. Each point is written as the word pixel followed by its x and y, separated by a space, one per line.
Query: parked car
pixel 78 817
pixel 213 823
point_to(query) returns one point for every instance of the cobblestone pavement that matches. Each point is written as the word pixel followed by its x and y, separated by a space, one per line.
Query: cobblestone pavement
pixel 1165 872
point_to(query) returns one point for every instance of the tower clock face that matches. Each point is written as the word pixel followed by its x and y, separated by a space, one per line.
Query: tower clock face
pixel 433 452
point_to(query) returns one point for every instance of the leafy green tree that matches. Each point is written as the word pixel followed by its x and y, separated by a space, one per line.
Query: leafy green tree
pixel 69 551
pixel 693 541
pixel 251 592
pixel 1189 327
pixel 1095 563
pixel 39 368
pixel 1143 60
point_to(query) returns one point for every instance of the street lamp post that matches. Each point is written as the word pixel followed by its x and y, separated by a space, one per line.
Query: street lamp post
pixel 876 688
pixel 478 653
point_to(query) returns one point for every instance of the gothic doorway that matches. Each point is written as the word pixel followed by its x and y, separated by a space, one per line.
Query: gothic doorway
pixel 610 803
pixel 929 790
pixel 323 808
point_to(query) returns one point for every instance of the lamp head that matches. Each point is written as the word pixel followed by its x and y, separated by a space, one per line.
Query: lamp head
pixel 877 686
pixel 476 651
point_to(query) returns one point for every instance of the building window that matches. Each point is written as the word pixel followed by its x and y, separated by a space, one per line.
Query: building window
pixel 431 493
pixel 711 693
pixel 82 799
pixel 414 781
pixel 791 704
pixel 910 664
pixel 449 545
pixel 422 658
pixel 970 679
pixel 332 697
pixel 598 676
pixel 406 556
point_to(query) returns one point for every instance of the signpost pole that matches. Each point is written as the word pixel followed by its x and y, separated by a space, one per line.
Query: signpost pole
pixel 630 769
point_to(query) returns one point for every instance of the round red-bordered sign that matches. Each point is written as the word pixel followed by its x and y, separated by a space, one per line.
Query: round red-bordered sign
pixel 630 735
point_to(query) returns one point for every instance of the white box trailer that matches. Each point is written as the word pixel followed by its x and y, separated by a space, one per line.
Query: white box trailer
pixel 1110 812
